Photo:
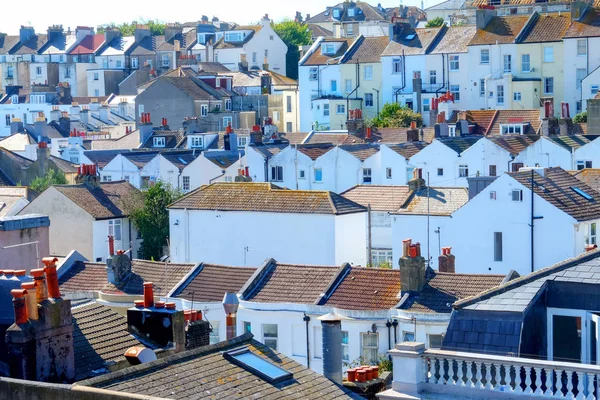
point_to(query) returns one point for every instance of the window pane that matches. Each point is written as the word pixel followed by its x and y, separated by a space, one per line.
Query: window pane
pixel 270 330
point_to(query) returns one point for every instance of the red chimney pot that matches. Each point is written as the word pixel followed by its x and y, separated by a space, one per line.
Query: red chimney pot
pixel 148 295
pixel 19 305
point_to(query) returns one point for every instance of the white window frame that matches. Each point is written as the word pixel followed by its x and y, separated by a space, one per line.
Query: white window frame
pixel 368 73
pixel 507 63
pixel 326 110
pixel 115 229
pixel 367 175
pixel 340 109
pixel 463 171
pixel 159 141
pixel 429 335
pixel 511 129
pixel 546 85
pixel 517 96
pixel 454 62
pixel 228 104
pixel 582 164
pixel 484 60
pixel 581 47
pixel 313 74
pixel 275 338
pixel 242 141
pixel 345 346
pixel 348 85
pixel 276 173
pixel 500 94
pixel 548 54
pixel 594 89
pixel 135 62
pixel 380 256
pixel 482 87
pixel 369 100
pixel 185 183
pixel 516 195
pixel 227 121
pixel 525 63
pixel 455 90
pixel 366 349
pixel 204 110
pixel 592 233
pixel 214 336
pixel 396 66
pixel 433 77
pixel 196 142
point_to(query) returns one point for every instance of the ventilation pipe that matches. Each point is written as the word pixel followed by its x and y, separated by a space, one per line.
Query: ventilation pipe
pixel 230 305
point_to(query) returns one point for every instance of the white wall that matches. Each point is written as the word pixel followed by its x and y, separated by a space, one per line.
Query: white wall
pixel 221 237
pixel 392 82
pixel 120 167
pixel 350 239
pixel 267 39
pixel 481 155
pixel 546 154
pixel 293 162
pixel 100 239
pixel 438 155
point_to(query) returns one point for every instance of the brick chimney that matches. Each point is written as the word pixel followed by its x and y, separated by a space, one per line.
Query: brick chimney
pixel 417 182
pixel 42 349
pixel 118 267
pixel 447 261
pixel 412 268
pixel 145 127
pixel 412 134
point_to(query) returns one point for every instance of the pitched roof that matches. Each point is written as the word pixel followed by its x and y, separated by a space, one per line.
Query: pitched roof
pixel 368 50
pixel 146 46
pixel 366 289
pixel 108 200
pixel 88 44
pixel 442 201
pixel 412 42
pixel 21 161
pixel 443 289
pixel 210 282
pixel 269 150
pixel 265 197
pixel 361 151
pixel 30 46
pixel 285 283
pixel 325 137
pixel 172 139
pixel 140 159
pixel 483 120
pixel 589 176
pixel 317 58
pixel 408 149
pixel 557 187
pixel 205 371
pixel 222 158
pixel 180 159
pixel 63 165
pixel 367 13
pixel 459 143
pixel 86 276
pixel 587 26
pixel 530 118
pixel 317 31
pixel 380 197
pixel 100 338
pixel 315 151
pixel 7 42
pixel 5 180
pixel 571 142
pixel 294 137
pixel 502 29
pixel 189 86
pixel 514 144
pixel 103 157
pixel 454 39
pixel 550 27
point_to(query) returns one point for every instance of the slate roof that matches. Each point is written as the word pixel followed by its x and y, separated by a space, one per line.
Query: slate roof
pixel 210 282
pixel 100 338
pixel 408 149
pixel 514 144
pixel 189 86
pixel 501 29
pixel 265 197
pixel 140 159
pixel 317 58
pixel 550 27
pixel 82 277
pixel 419 44
pixel 317 31
pixel 361 151
pixel 106 201
pixel 7 42
pixel 368 50
pixel 459 143
pixel 30 46
pixel 14 157
pixel 147 46
pixel 442 201
pixel 589 176
pixel 380 197
pixel 284 283
pixel 444 289
pixel 222 158
pixel 454 40
pixel 172 139
pixel 103 157
pixel 205 372
pixel 269 150
pixel 571 142
pixel 556 187
pixel 180 159
pixel 366 289
pixel 5 180
pixel 118 46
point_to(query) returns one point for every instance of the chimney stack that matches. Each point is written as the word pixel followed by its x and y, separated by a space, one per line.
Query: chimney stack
pixel 332 347
pixel 123 105
pixel 104 112
pixel 417 182
pixel 16 125
pixel 145 127
pixel 447 261
pixel 412 268
pixel 64 123
pixel 230 305
pixel 230 140
pixel 55 114
pixel 118 267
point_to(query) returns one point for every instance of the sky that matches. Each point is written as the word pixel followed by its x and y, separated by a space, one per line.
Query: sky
pixel 68 13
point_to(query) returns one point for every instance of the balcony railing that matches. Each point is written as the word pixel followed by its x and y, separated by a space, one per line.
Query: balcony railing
pixel 464 375
pixel 431 87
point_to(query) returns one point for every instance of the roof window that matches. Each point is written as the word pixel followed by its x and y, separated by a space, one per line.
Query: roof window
pixel 582 193
pixel 257 365
pixel 410 37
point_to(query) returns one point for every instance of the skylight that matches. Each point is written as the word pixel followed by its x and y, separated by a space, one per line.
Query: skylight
pixel 182 161
pixel 583 194
pixel 257 365
pixel 410 37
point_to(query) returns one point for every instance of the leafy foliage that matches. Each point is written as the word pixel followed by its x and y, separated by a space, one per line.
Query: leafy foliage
pixel 128 28
pixel 151 219
pixel 580 118
pixel 393 115
pixel 293 35
pixel 52 177
pixel 434 23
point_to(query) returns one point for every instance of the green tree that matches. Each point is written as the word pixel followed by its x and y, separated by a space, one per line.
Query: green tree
pixel 52 177
pixel 150 217
pixel 434 23
pixel 128 28
pixel 580 118
pixel 293 35
pixel 393 115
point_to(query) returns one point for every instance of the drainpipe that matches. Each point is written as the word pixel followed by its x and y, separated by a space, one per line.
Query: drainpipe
pixel 377 105
pixel 532 218
pixel 355 89
pixel 403 77
pixel 395 325
pixel 512 158
pixel 307 320
pixel 437 92
pixel 388 325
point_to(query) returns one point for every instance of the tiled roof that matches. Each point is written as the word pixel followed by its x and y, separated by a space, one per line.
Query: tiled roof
pixel 211 282
pixel 502 30
pixel 454 40
pixel 5 180
pixel 396 135
pixel 323 137
pixel 180 159
pixel 294 137
pixel 408 149
pixel 88 44
pixel 556 187
pixel 100 338
pixel 283 283
pixel 442 201
pixel 108 200
pixel 443 289
pixel 63 165
pixel 222 158
pixel 366 289
pixel 315 151
pixel 172 139
pixel 549 27
pixel 30 46
pixel 589 176
pixel 205 373
pixel 380 197
pixel 367 51
pixel 530 118
pixel 21 161
pixel 189 86
pixel 368 13
pixel 265 197
pixel 361 151
pixel 212 67
pixel 317 58
pixel 140 159
pixel 420 42
pixel 514 144
pixel 587 26
pixel 87 276
pixel 571 142
pixel 317 31
pixel 459 143
pixel 483 120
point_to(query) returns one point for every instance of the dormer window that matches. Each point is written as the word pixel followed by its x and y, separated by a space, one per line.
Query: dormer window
pixel 328 48
pixel 159 141
pixel 336 13
pixel 351 12
pixel 234 36
pixel 196 142
pixel 511 129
